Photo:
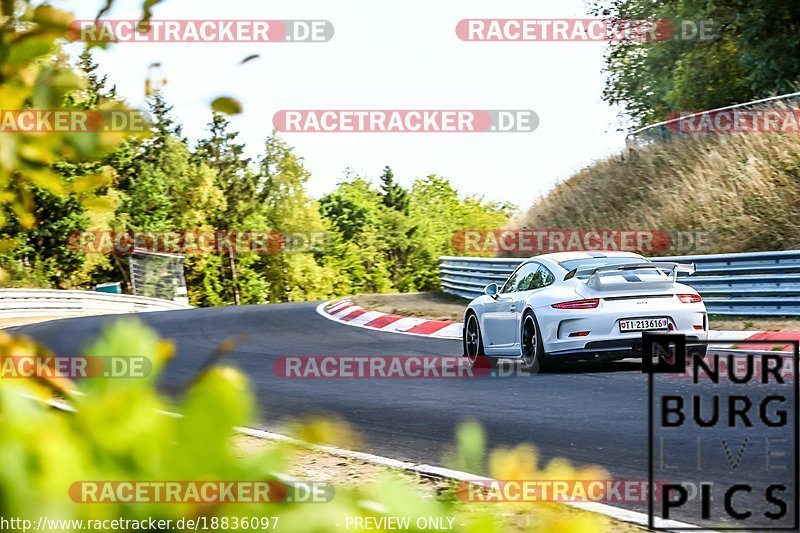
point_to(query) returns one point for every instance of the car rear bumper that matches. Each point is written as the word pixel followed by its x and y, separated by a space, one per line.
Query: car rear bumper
pixel 598 330
pixel 613 349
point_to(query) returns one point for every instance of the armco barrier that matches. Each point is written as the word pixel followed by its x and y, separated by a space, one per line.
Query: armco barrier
pixel 757 283
pixel 26 303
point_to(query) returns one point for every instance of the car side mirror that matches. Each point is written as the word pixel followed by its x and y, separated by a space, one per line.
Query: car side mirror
pixel 491 289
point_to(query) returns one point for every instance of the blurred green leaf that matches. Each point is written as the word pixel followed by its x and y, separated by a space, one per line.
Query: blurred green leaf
pixel 147 9
pixel 105 9
pixel 470 447
pixel 226 105
pixel 29 49
pixel 222 395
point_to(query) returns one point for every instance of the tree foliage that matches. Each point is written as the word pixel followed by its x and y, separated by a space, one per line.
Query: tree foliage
pixel 361 237
pixel 752 55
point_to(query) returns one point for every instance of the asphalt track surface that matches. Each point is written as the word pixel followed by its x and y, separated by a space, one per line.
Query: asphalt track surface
pixel 589 413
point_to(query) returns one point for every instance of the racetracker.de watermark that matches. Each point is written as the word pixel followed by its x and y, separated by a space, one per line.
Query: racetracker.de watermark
pixel 405 121
pixel 375 367
pixel 195 242
pixel 548 490
pixel 736 121
pixel 201 31
pixel 73 121
pixel 586 30
pixel 201 492
pixel 74 367
pixel 539 241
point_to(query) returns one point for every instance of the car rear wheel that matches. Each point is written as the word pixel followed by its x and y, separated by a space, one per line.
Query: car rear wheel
pixel 698 350
pixel 532 347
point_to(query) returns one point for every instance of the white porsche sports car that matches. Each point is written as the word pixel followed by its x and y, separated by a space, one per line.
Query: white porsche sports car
pixel 581 305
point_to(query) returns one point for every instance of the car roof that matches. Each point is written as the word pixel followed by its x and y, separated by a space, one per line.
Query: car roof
pixel 558 257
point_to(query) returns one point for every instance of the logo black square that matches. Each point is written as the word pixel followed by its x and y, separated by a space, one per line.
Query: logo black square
pixel 663 353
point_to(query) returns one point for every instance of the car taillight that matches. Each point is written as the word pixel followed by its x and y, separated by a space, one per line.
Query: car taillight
pixel 690 298
pixel 578 304
pixel 579 333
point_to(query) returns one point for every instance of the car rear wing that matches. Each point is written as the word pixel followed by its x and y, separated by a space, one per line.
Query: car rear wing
pixel 663 266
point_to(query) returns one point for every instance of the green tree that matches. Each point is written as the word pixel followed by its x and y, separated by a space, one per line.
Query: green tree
pixel 41 255
pixel 394 195
pixel 240 187
pixel 384 249
pixel 436 201
pixel 353 210
pixel 164 124
pixel 295 274
pixel 753 55
pixel 238 182
pixel 98 89
pixel 163 187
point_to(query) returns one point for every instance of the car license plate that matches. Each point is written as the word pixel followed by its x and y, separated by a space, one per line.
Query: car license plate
pixel 643 324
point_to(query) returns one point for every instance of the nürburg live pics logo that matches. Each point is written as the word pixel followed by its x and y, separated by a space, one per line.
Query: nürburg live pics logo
pixel 723 445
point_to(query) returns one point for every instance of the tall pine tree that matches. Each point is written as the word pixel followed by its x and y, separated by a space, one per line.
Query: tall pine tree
pixel 394 195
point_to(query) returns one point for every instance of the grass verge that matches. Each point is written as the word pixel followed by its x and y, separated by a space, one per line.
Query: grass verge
pixel 743 189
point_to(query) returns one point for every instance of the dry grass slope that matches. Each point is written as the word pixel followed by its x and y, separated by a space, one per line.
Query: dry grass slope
pixel 743 188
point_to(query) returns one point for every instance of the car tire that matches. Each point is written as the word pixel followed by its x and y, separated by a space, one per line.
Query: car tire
pixel 531 345
pixel 473 344
pixel 697 351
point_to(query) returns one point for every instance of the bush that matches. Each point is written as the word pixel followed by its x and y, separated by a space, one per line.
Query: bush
pixel 120 432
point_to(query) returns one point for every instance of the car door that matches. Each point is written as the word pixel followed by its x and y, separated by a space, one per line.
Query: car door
pixel 501 315
pixel 534 279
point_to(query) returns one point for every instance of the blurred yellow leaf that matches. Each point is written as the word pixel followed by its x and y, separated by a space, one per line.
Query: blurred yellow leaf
pixel 24 216
pixel 99 204
pixel 51 17
pixel 518 463
pixel 36 153
pixel 93 181
pixel 7 245
pixel 327 430
pixel 48 180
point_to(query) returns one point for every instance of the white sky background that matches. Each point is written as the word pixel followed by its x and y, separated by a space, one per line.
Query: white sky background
pixel 387 54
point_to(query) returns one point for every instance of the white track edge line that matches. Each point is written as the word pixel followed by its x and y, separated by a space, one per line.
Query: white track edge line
pixel 617 513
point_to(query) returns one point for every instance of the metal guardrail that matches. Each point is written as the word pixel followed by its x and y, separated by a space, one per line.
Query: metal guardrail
pixel 26 303
pixel 747 284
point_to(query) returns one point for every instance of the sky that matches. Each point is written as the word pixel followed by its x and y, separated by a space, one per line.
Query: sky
pixel 387 54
